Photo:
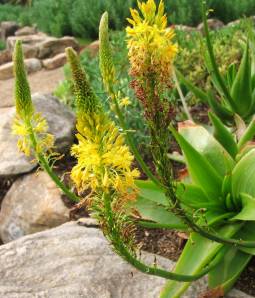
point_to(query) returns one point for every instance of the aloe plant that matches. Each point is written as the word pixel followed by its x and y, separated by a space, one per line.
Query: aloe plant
pixel 214 203
pixel 233 93
pixel 218 193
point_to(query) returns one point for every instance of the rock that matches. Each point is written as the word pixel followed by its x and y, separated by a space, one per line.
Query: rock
pixel 5 56
pixel 27 40
pixel 213 24
pixel 61 125
pixel 53 46
pixel 238 22
pixel 32 65
pixel 8 28
pixel 185 28
pixel 75 261
pixel 92 48
pixel 32 204
pixel 30 51
pixel 55 62
pixel 26 31
pixel 60 119
pixel 12 162
pixel 233 23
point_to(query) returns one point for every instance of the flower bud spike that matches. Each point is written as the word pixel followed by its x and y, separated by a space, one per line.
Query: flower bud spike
pixel 86 100
pixel 22 94
pixel 105 55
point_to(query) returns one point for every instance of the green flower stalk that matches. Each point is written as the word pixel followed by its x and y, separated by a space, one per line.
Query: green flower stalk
pixel 86 101
pixel 106 61
pixel 108 74
pixel 27 121
pixel 23 101
pixel 31 128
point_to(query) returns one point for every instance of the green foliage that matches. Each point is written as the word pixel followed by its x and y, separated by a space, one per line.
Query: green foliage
pixel 191 56
pixel 2 45
pixel 52 16
pixel 15 13
pixel 85 15
pixel 231 85
pixel 189 12
pixel 80 18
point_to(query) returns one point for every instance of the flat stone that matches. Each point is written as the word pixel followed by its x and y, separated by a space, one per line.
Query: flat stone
pixel 61 124
pixel 27 40
pixel 26 31
pixel 55 62
pixel 32 65
pixel 53 46
pixel 32 204
pixel 8 28
pixel 75 261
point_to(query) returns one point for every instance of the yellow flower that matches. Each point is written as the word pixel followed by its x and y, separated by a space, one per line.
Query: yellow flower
pixel 124 102
pixel 44 140
pixel 150 42
pixel 104 161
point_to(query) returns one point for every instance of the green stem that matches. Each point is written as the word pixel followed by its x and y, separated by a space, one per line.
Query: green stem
pixel 180 212
pixel 124 252
pixel 212 57
pixel 133 146
pixel 183 100
pixel 45 165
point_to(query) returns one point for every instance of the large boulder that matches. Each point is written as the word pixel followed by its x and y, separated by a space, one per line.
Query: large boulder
pixel 32 65
pixel 26 31
pixel 8 28
pixel 32 204
pixel 30 40
pixel 55 62
pixel 75 261
pixel 29 43
pixel 61 124
pixel 53 46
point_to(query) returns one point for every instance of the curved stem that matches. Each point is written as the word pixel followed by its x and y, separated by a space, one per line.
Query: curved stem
pixel 124 252
pixel 180 212
pixel 212 57
pixel 45 165
pixel 133 146
pixel 71 195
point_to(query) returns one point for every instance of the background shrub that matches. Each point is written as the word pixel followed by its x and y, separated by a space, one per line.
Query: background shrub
pixel 53 17
pixel 81 17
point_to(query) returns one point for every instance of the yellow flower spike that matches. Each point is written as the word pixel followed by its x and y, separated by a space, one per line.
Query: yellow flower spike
pixel 150 42
pixel 22 94
pixel 27 122
pixel 103 158
pixel 86 100
pixel 105 55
